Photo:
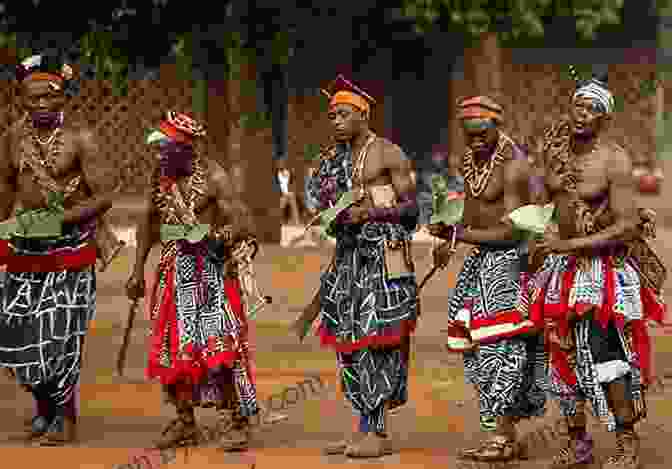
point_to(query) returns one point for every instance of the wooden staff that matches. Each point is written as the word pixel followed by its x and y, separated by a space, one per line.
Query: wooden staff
pixel 121 358
pixel 436 267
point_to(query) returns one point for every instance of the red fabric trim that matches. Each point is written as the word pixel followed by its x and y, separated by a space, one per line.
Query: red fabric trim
pixel 232 290
pixel 191 367
pixel 609 294
pixel 504 335
pixel 171 131
pixel 504 317
pixel 654 308
pixel 329 340
pixel 641 342
pixel 560 363
pixel 537 309
pixel 4 251
pixel 76 260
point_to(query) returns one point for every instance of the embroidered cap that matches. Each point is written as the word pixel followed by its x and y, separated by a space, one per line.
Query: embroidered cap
pixel 46 67
pixel 597 90
pixel 343 91
pixel 178 127
pixel 480 107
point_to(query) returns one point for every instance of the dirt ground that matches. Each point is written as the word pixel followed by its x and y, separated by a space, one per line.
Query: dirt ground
pixel 120 417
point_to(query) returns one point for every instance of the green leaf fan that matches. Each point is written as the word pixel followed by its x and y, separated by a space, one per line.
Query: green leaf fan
pixel 533 219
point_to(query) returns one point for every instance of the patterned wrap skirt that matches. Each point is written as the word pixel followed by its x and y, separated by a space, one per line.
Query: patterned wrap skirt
pixel 594 313
pixel 368 318
pixel 507 366
pixel 200 335
pixel 45 315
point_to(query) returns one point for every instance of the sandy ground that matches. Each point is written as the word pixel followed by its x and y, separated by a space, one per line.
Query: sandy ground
pixel 119 418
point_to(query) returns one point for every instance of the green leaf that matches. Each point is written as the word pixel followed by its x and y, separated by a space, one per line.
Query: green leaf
pixel 533 24
pixel 41 223
pixel 532 218
pixel 647 88
pixel 451 212
pixel 192 233
pixel 155 136
pixel 610 16
pixel 619 103
pixel 311 151
pixel 586 28
pixel 327 217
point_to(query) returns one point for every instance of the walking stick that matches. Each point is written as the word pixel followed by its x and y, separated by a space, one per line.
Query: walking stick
pixel 121 358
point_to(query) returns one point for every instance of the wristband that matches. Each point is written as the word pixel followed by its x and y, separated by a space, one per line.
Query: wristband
pixel 406 208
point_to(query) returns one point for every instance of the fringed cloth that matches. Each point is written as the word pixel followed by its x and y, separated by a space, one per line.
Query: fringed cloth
pixel 600 299
pixel 200 327
pixel 508 365
pixel 45 315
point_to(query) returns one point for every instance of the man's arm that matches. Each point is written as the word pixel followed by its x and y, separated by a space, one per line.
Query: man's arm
pixel 621 203
pixel 400 171
pixel 516 188
pixel 230 206
pixel 7 179
pixel 148 233
pixel 97 177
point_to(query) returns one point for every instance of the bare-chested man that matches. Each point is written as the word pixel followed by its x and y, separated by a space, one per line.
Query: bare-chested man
pixel 199 346
pixel 49 293
pixel 504 365
pixel 368 295
pixel 598 282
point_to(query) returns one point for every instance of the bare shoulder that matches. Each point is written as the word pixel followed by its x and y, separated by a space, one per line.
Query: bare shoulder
pixel 517 165
pixel 9 142
pixel 617 160
pixel 219 177
pixel 391 153
pixel 80 130
pixel 215 169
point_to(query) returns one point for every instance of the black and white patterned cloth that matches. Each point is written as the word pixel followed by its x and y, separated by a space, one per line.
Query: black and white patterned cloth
pixel 510 373
pixel 44 317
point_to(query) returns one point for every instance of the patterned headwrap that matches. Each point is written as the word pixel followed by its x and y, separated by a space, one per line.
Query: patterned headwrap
pixel 596 90
pixel 342 91
pixel 480 108
pixel 46 67
pixel 177 127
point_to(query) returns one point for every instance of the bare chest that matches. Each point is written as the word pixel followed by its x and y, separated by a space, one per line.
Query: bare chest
pixel 59 155
pixel 591 177
pixel 196 193
pixel 39 164
pixel 485 185
pixel 370 170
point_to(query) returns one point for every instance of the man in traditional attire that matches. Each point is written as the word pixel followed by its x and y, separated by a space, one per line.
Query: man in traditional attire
pixel 598 284
pixel 50 168
pixel 199 347
pixel 503 358
pixel 368 299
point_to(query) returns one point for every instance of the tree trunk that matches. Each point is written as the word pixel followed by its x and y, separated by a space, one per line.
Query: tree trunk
pixel 660 123
pixel 256 164
pixel 488 67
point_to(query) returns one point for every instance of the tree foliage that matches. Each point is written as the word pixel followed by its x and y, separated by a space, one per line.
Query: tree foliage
pixel 513 19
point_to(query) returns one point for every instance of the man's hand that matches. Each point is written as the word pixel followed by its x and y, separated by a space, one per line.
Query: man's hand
pixel 442 254
pixel 358 215
pixel 135 287
pixel 439 230
pixel 553 244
